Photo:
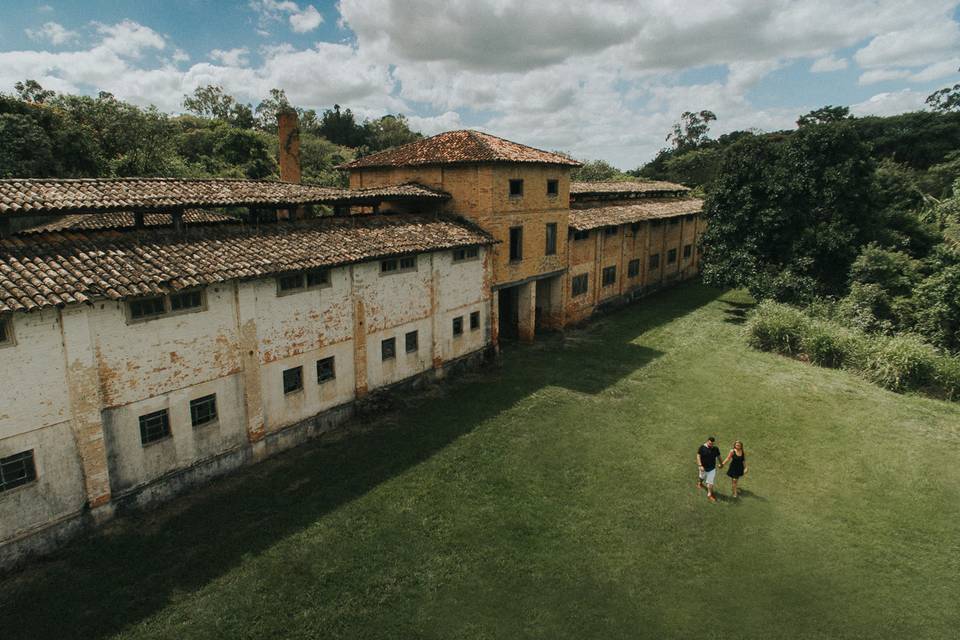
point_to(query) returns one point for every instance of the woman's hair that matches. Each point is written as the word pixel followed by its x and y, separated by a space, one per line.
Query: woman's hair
pixel 735 442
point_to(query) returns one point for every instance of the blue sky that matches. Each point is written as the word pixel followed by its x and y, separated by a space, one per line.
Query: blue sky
pixel 603 79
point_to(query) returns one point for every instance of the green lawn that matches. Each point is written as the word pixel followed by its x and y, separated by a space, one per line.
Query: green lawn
pixel 554 498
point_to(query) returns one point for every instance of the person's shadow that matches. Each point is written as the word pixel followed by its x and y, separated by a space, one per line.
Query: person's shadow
pixel 746 493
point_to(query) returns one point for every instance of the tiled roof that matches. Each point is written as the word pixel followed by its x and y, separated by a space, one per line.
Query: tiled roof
pixel 34 195
pixel 457 147
pixel 126 220
pixel 60 268
pixel 625 188
pixel 594 218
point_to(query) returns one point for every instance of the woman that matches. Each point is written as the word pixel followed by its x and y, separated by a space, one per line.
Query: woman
pixel 738 464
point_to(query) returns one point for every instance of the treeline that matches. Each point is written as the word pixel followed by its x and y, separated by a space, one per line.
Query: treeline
pixel 46 134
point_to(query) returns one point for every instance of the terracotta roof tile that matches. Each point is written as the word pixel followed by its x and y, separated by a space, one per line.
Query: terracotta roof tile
pixel 625 188
pixel 457 147
pixel 125 220
pixel 34 195
pixel 52 269
pixel 652 209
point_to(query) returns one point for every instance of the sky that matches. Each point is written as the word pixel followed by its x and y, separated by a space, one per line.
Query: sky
pixel 601 79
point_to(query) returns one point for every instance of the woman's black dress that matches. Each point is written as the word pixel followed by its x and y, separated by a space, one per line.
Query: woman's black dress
pixel 735 469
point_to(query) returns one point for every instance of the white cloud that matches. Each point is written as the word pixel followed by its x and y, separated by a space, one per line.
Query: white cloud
pixel 874 76
pixel 430 125
pixel 301 20
pixel 52 32
pixel 922 43
pixel 129 39
pixel 890 103
pixel 180 55
pixel 937 70
pixel 231 57
pixel 828 63
pixel 306 20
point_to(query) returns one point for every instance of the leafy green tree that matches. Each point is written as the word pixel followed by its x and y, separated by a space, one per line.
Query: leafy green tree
pixel 26 149
pixel 31 91
pixel 210 101
pixel 692 129
pixel 597 171
pixel 389 131
pixel 936 304
pixel 269 107
pixel 341 127
pixel 946 99
pixel 695 168
pixel 318 157
pixel 824 115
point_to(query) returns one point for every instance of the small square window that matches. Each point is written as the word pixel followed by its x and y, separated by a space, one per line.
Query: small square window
pixel 318 278
pixel 655 261
pixel 388 349
pixel 147 308
pixel 633 268
pixel 516 188
pixel 581 235
pixel 17 470
pixel 292 380
pixel 610 231
pixel 326 370
pixel 154 426
pixel 458 326
pixel 410 262
pixel 579 284
pixel 551 248
pixel 516 244
pixel 474 320
pixel 186 300
pixel 687 250
pixel 671 256
pixel 291 282
pixel 553 187
pixel 203 410
pixel 411 341
pixel 609 276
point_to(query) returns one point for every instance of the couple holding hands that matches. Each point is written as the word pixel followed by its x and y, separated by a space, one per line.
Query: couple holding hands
pixel 708 459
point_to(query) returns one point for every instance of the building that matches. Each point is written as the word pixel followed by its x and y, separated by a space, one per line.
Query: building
pixel 149 341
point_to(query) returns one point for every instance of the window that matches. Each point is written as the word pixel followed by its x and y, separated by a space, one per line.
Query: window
pixel 203 410
pixel 610 231
pixel 408 262
pixel 655 261
pixel 581 235
pixel 458 326
pixel 516 188
pixel 17 470
pixel 635 226
pixel 466 253
pixel 412 340
pixel 318 278
pixel 154 426
pixel 656 223
pixel 388 349
pixel 633 268
pixel 516 243
pixel 671 256
pixel 293 380
pixel 147 308
pixel 388 266
pixel 474 320
pixel 687 250
pixel 688 217
pixel 186 300
pixel 579 284
pixel 6 330
pixel 674 221
pixel 395 265
pixel 290 283
pixel 551 239
pixel 553 188
pixel 609 276
pixel 325 370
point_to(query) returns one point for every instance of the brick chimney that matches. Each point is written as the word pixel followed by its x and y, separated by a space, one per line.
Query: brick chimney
pixel 288 130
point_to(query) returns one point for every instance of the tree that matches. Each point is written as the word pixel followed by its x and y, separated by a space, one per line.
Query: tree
pixel 597 171
pixel 389 131
pixel 824 115
pixel 269 107
pixel 210 101
pixel 946 99
pixel 340 127
pixel 31 91
pixel 936 305
pixel 26 149
pixel 691 132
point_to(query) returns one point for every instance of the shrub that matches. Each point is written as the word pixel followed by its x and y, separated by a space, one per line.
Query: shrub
pixel 900 363
pixel 830 345
pixel 776 327
pixel 946 375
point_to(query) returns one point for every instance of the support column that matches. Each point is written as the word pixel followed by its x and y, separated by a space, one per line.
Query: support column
pixel 527 311
pixel 359 340
pixel 245 304
pixel 83 386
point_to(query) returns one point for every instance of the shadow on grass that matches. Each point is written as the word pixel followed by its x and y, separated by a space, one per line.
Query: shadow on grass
pixel 736 312
pixel 117 577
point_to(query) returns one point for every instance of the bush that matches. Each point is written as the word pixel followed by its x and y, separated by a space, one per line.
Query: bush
pixel 777 327
pixel 829 345
pixel 900 363
pixel 946 375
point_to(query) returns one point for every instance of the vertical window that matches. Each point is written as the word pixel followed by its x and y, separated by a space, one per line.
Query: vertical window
pixel 516 188
pixel 203 410
pixel 154 426
pixel 579 284
pixel 633 268
pixel 458 326
pixel 655 261
pixel 671 256
pixel 551 248
pixel 474 320
pixel 186 300
pixel 553 187
pixel 325 370
pixel 293 380
pixel 412 340
pixel 147 308
pixel 388 349
pixel 17 470
pixel 609 276
pixel 687 250
pixel 516 243
pixel 6 330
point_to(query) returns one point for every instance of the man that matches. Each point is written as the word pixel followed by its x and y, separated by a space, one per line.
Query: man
pixel 708 458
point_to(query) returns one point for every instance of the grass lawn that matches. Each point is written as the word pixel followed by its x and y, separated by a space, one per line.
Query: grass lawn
pixel 554 498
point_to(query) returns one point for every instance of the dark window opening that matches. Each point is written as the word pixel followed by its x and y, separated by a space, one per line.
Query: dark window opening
pixel 671 256
pixel 474 320
pixel 326 370
pixel 5 333
pixel 581 235
pixel 579 284
pixel 551 248
pixel 409 262
pixel 147 308
pixel 655 261
pixel 674 221
pixel 318 278
pixel 412 340
pixel 610 231
pixel 458 326
pixel 293 380
pixel 687 250
pixel 203 410
pixel 186 300
pixel 516 188
pixel 291 282
pixel 635 226
pixel 609 276
pixel 17 470
pixel 633 268
pixel 689 217
pixel 388 266
pixel 656 223
pixel 388 349
pixel 154 426
pixel 466 253
pixel 516 243
pixel 553 187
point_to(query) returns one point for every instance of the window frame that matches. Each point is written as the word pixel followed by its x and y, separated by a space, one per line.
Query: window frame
pixel 654 261
pixel 415 334
pixel 199 292
pixel 298 370
pixel 553 187
pixel 672 256
pixel 519 244
pixel 474 320
pixel 333 369
pixel 398 267
pixel 467 254
pixel 633 268
pixel 581 235
pixel 166 431
pixel 550 233
pixel 132 318
pixel 387 354
pixel 575 283
pixel 30 472
pixel 457 326
pixel 211 417
pixel 610 271
pixel 6 326
pixel 515 194
pixel 687 251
